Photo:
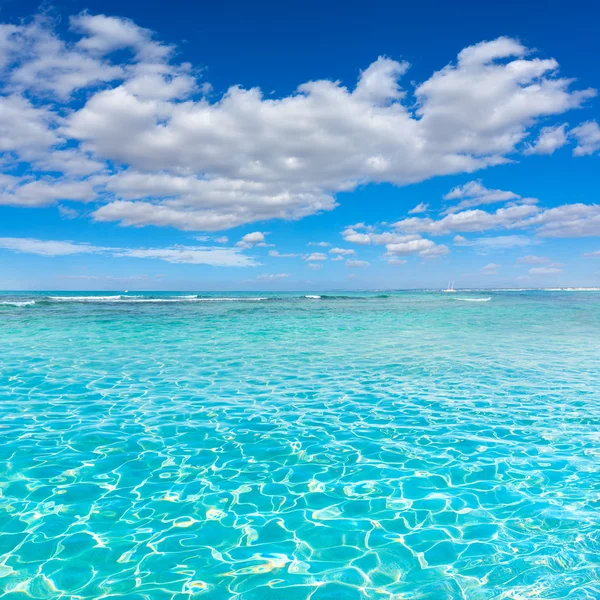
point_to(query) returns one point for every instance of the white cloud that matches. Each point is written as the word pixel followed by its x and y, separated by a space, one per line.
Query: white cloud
pixel 69 162
pixel 48 247
pixel 222 240
pixel 588 138
pixel 490 269
pixel 364 239
pixel 315 256
pixel 321 244
pixel 315 266
pixel 67 212
pixel 423 247
pixel 277 254
pixel 501 242
pixel 104 35
pixel 551 269
pixel 45 192
pixel 569 220
pixel 357 264
pixel 533 260
pixel 397 261
pixel 396 243
pixel 549 139
pixel 343 251
pixel 419 208
pixel 592 254
pixel 25 130
pixel 205 255
pixel 251 239
pixel 195 255
pixel 338 258
pixel 355 237
pixel 272 276
pixel 170 157
pixel 474 193
pixel 39 61
pixel 470 220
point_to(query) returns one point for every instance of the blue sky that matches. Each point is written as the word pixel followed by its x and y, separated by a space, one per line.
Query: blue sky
pixel 298 146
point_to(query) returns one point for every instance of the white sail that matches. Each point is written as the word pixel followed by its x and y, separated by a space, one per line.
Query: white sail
pixel 450 288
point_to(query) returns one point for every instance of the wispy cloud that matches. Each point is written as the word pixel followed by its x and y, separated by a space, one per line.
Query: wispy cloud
pixel 488 244
pixel 419 208
pixel 272 276
pixel 49 247
pixel 357 264
pixel 551 269
pixel 531 259
pixel 205 255
pixel 490 269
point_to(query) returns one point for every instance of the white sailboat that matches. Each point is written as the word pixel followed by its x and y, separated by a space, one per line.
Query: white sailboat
pixel 450 288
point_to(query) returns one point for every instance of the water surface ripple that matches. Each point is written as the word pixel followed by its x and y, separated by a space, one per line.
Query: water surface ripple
pixel 361 446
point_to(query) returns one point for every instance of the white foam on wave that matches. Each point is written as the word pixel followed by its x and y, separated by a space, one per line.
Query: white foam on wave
pixel 17 303
pixel 142 299
pixel 473 299
pixel 311 297
pixel 88 298
pixel 572 289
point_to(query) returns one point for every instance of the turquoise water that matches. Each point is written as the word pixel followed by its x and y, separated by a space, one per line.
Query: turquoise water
pixel 386 446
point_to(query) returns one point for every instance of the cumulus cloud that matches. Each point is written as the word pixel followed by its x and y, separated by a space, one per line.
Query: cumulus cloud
pixel 315 256
pixel 254 238
pixel 469 221
pixel 395 243
pixel 111 107
pixel 549 139
pixel 198 255
pixel 276 254
pixel 423 247
pixel 45 192
pixel 592 254
pixel 474 193
pixel 343 251
pixel 588 138
pixel 568 220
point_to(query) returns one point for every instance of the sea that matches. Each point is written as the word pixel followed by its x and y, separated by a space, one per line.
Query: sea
pixel 412 445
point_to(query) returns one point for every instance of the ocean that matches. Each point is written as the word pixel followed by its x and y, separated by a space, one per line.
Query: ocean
pixel 263 446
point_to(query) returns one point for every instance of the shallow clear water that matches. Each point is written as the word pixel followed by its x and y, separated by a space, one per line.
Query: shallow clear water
pixel 398 446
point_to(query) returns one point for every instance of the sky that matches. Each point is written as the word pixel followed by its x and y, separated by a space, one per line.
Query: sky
pixel 298 146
